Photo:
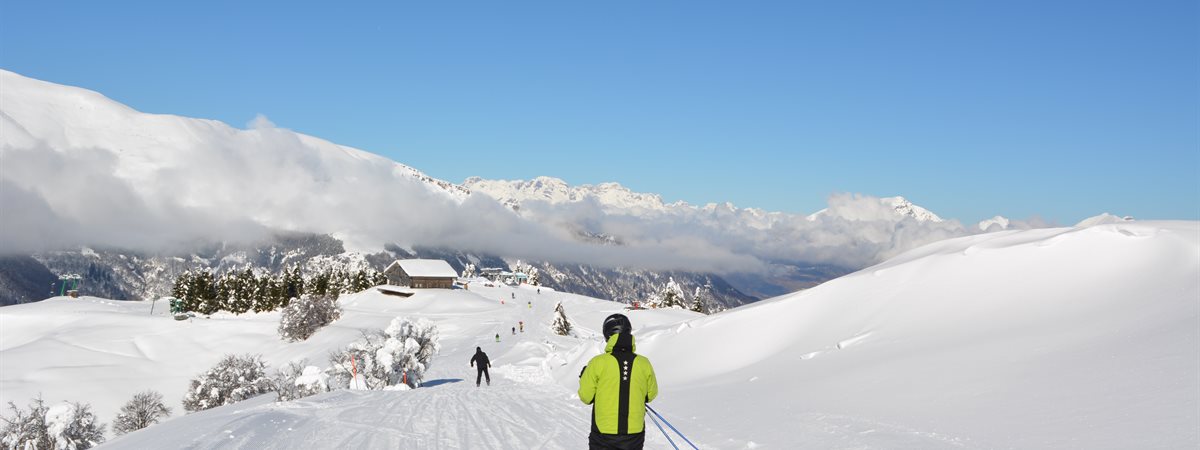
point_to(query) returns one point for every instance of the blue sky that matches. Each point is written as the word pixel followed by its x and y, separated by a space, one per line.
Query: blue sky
pixel 1059 110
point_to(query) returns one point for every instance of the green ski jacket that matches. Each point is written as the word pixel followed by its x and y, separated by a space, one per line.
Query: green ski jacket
pixel 618 384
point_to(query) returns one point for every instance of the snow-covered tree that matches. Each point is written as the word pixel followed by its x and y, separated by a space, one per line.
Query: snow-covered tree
pixel 299 380
pixel 26 429
pixel 233 379
pixel 241 291
pixel 671 295
pixel 72 426
pixel 534 278
pixel 305 315
pixel 144 409
pixel 561 325
pixel 66 426
pixel 383 357
pixel 204 293
pixel 700 299
pixel 293 284
pixel 468 271
pixel 531 273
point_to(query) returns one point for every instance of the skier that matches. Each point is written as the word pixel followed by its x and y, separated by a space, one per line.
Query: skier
pixel 522 324
pixel 514 295
pixel 481 370
pixel 514 331
pixel 617 422
pixel 497 337
pixel 530 303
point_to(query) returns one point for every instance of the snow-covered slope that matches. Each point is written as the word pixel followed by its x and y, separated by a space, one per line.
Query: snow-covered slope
pixel 1083 337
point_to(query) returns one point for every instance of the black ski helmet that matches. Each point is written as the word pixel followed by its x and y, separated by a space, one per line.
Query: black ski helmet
pixel 616 324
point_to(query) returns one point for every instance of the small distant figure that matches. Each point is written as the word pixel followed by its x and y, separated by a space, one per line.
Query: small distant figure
pixel 514 331
pixel 481 370
pixel 497 337
pixel 539 291
pixel 514 295
pixel 522 324
pixel 530 303
pixel 501 301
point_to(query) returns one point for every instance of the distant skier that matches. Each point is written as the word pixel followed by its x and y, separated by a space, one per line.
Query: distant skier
pixel 618 384
pixel 497 337
pixel 481 370
pixel 514 295
pixel 514 331
pixel 530 303
pixel 522 324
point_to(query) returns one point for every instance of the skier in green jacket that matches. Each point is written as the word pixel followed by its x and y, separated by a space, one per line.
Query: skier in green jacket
pixel 618 384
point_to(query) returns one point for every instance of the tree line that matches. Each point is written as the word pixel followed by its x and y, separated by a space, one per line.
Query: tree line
pixel 238 292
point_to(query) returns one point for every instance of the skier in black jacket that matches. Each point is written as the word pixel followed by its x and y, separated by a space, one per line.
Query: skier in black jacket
pixel 481 369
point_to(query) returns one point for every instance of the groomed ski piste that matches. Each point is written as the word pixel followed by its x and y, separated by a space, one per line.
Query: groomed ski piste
pixel 1084 337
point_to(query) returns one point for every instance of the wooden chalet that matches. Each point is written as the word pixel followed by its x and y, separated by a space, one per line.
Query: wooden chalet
pixel 421 274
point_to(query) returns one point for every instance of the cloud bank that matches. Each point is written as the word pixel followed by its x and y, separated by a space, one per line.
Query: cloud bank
pixel 77 169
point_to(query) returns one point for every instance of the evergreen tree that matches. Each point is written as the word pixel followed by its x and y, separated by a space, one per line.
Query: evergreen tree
pixel 699 303
pixel 360 281
pixel 339 283
pixel 318 285
pixel 562 325
pixel 206 289
pixel 293 284
pixel 182 288
pixel 242 297
pixel 671 295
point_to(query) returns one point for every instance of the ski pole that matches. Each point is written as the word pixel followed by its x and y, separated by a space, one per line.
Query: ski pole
pixel 664 432
pixel 664 420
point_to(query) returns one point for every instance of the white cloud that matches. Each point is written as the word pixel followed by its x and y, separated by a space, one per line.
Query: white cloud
pixel 115 177
pixel 240 184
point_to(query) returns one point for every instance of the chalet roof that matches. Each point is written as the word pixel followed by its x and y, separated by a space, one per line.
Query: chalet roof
pixel 426 268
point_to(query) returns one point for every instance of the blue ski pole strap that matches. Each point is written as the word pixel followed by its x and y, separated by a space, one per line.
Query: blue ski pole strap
pixel 664 420
pixel 664 432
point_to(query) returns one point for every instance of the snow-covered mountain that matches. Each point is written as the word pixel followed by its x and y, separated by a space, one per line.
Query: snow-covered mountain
pixel 898 206
pixel 1014 339
pixel 616 198
pixel 82 171
pixel 556 191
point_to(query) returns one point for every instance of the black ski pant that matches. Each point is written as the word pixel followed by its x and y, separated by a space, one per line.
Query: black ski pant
pixel 481 372
pixel 601 441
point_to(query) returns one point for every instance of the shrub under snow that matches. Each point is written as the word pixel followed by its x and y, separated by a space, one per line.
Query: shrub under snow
pixel 305 315
pixel 232 380
pixel 144 409
pixel 299 380
pixel 382 357
pixel 66 426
